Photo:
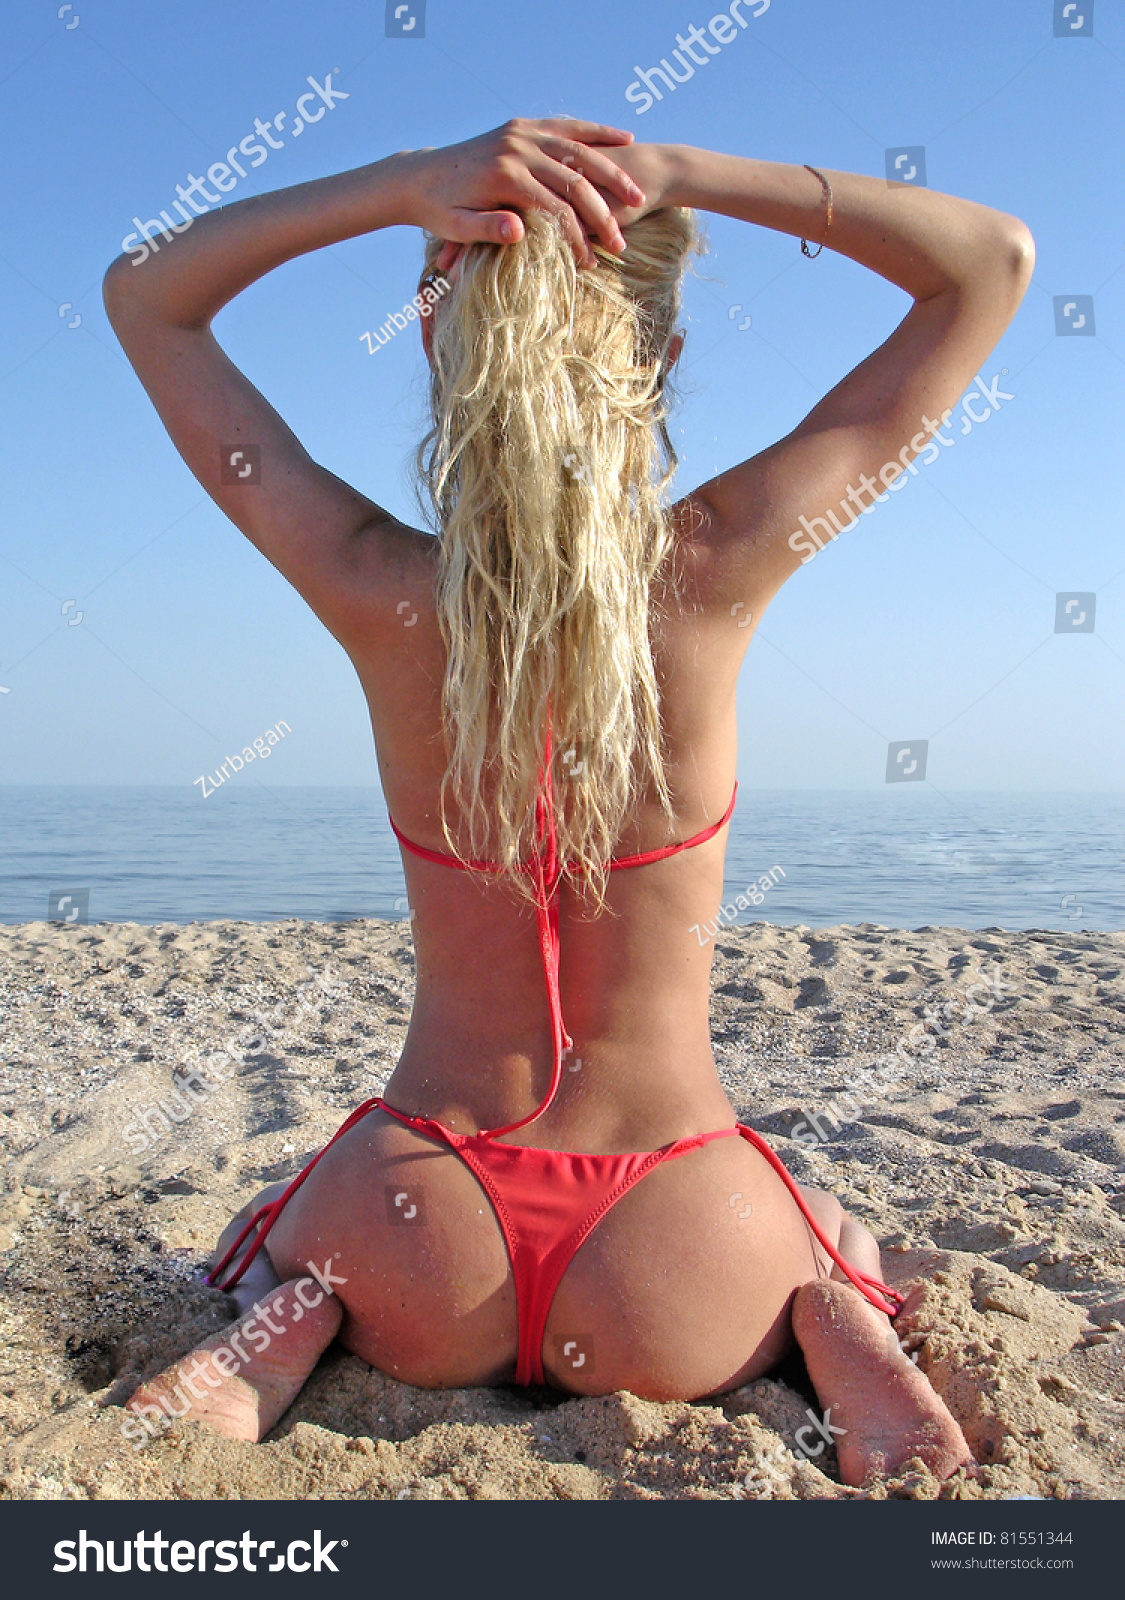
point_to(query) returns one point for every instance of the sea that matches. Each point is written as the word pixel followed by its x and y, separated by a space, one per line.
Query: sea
pixel 903 857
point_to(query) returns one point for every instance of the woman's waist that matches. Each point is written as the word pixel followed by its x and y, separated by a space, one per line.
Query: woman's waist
pixel 611 1094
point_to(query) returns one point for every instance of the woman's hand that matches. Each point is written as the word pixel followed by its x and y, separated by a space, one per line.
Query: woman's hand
pixel 475 192
pixel 652 168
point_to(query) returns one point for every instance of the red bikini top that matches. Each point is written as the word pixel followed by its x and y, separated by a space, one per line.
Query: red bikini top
pixel 548 871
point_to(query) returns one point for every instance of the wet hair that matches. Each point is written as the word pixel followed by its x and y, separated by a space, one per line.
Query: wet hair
pixel 547 466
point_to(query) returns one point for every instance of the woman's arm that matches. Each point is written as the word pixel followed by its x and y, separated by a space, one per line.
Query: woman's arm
pixel 338 548
pixel 966 267
pixel 920 239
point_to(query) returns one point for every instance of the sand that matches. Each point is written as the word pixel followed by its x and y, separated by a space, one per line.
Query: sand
pixel 991 1170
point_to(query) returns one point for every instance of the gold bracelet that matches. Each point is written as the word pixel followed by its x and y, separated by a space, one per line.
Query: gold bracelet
pixel 827 187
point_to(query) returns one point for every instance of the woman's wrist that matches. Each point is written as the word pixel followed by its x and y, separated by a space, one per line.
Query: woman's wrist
pixel 919 239
pixel 677 163
pixel 397 181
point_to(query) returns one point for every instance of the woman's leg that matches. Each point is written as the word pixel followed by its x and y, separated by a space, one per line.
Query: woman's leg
pixel 260 1276
pixel 885 1409
pixel 241 1382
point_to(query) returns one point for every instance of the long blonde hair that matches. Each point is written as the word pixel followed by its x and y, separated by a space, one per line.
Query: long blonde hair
pixel 546 466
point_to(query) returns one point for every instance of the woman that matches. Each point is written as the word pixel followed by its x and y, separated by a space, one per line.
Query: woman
pixel 552 692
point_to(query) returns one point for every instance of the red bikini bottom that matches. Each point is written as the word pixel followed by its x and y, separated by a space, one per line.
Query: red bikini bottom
pixel 547 1203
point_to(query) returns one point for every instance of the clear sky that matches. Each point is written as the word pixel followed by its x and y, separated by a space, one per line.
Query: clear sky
pixel 934 619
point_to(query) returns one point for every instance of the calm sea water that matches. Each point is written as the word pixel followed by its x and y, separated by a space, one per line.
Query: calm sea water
pixel 903 857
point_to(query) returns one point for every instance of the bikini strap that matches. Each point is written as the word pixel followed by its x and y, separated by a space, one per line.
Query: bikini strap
pixel 548 871
pixel 548 874
pixel 664 851
pixel 272 1211
pixel 881 1295
pixel 442 857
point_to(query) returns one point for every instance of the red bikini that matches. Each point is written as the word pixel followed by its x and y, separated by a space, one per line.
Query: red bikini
pixel 548 1201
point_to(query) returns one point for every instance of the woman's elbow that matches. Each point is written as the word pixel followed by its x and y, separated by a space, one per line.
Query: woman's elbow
pixel 1009 252
pixel 1003 262
pixel 117 287
pixel 1021 250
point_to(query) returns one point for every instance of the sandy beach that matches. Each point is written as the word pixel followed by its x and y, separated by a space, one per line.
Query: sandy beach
pixel 990 1166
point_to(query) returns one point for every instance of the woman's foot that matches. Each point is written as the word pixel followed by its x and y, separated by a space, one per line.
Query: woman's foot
pixel 885 1408
pixel 241 1382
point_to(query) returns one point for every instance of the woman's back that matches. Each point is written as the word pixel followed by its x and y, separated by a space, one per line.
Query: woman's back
pixel 634 977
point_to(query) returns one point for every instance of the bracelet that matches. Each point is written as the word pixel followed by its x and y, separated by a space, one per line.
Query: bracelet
pixel 827 187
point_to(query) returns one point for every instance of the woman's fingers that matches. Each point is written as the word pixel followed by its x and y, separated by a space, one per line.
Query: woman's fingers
pixel 588 205
pixel 466 226
pixel 546 198
pixel 600 169
pixel 586 132
pixel 561 165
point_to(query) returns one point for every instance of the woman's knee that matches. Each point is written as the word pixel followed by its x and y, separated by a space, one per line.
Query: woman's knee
pixel 859 1246
pixel 236 1224
pixel 827 1212
pixel 266 1197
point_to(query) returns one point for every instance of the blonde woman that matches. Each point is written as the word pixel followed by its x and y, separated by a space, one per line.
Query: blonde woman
pixel 555 1187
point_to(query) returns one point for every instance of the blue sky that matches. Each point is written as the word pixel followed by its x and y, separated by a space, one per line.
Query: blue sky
pixel 932 620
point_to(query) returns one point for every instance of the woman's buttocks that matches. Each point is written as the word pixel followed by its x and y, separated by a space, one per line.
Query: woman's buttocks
pixel 678 1291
